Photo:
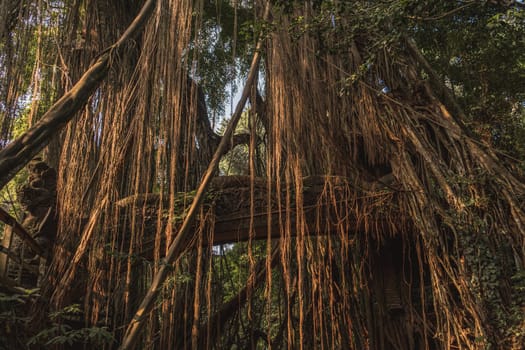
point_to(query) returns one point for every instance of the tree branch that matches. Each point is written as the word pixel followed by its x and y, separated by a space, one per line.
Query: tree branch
pixel 228 309
pixel 179 243
pixel 19 152
pixel 443 91
pixel 443 15
pixel 205 132
pixel 20 231
pixel 260 109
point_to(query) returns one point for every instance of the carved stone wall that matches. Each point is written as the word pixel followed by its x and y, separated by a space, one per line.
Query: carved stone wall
pixel 38 199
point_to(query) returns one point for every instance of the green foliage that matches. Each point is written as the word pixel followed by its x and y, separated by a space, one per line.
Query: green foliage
pixel 60 333
pixel 236 161
pixel 226 35
pixel 233 262
pixel 14 317
pixel 8 194
pixel 517 317
pixel 477 47
pixel 479 50
pixel 11 307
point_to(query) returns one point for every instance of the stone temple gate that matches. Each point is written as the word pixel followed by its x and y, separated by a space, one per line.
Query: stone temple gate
pixel 27 242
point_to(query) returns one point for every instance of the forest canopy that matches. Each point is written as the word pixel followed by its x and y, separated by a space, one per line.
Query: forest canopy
pixel 262 174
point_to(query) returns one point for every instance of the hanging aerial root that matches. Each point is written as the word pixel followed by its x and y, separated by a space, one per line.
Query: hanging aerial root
pixel 19 152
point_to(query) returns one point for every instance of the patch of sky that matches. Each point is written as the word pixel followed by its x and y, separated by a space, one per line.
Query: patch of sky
pixel 221 249
pixel 235 92
pixel 455 61
pixel 382 85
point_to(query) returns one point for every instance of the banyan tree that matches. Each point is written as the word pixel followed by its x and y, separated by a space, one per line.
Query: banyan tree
pixel 368 214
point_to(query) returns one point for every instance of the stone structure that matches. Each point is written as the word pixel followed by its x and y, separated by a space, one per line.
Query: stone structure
pixel 38 199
